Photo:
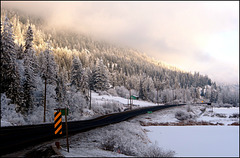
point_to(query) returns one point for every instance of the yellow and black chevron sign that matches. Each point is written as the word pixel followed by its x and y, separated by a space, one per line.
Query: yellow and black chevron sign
pixel 58 122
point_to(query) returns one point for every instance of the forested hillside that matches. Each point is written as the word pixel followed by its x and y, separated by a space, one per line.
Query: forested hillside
pixel 36 57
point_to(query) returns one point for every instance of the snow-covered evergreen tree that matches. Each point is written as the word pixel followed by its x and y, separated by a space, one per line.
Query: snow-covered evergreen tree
pixel 141 94
pixel 30 52
pixel 84 84
pixel 100 76
pixel 10 79
pixel 48 67
pixel 148 87
pixel 61 89
pixel 20 52
pixel 76 73
pixel 48 71
pixel 28 86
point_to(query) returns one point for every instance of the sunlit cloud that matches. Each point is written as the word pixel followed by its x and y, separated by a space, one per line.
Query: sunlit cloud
pixel 196 36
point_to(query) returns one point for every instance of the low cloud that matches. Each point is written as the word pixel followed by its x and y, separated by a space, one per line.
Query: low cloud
pixel 174 32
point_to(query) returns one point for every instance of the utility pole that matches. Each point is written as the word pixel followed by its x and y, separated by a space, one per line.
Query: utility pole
pixel 46 76
pixel 66 113
pixel 130 99
pixel 90 100
pixel 45 93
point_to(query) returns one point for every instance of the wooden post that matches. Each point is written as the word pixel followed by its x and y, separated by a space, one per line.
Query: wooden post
pixel 45 93
pixel 130 100
pixel 90 105
pixel 66 128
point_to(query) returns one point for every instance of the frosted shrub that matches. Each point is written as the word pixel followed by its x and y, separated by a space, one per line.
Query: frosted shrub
pixel 155 151
pixel 181 115
pixel 226 105
pixel 9 113
pixel 234 115
pixel 111 107
pixel 106 107
pixel 112 92
pixel 98 109
pixel 122 91
pixel 129 139
pixel 102 93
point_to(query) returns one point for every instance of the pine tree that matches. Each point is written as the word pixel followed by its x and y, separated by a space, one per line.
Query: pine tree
pixel 20 52
pixel 29 39
pixel 141 94
pixel 61 89
pixel 48 68
pixel 157 85
pixel 48 72
pixel 100 76
pixel 30 52
pixel 76 73
pixel 28 86
pixel 84 84
pixel 148 87
pixel 10 79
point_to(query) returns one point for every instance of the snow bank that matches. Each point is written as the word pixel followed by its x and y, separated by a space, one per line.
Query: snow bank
pixel 227 111
pixel 222 115
pixel 89 152
pixel 5 123
pixel 103 98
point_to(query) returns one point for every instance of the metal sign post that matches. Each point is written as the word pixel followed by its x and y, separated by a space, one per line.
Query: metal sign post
pixel 64 111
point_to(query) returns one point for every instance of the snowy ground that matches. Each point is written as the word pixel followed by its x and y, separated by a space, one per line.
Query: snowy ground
pixel 5 123
pixel 116 140
pixel 184 140
pixel 222 115
pixel 104 98
pixel 197 141
pixel 89 152
pixel 212 115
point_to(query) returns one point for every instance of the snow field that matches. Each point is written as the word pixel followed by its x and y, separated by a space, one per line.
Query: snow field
pixel 197 141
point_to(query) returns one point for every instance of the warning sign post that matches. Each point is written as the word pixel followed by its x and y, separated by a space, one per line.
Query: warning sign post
pixel 61 111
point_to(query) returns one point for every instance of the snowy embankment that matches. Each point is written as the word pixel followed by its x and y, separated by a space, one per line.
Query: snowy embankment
pixel 226 116
pixel 116 140
pixel 5 123
pixel 223 116
pixel 106 98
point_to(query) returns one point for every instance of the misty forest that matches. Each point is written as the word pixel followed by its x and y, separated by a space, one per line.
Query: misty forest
pixel 39 61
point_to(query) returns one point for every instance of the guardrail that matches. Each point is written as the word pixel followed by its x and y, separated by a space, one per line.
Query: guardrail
pixel 15 138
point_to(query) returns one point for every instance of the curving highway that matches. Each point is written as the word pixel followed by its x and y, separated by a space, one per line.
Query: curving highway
pixel 15 138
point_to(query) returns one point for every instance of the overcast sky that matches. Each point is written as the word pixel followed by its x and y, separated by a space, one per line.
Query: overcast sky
pixel 194 36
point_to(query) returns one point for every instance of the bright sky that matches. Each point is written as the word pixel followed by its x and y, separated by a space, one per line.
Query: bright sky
pixel 194 36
